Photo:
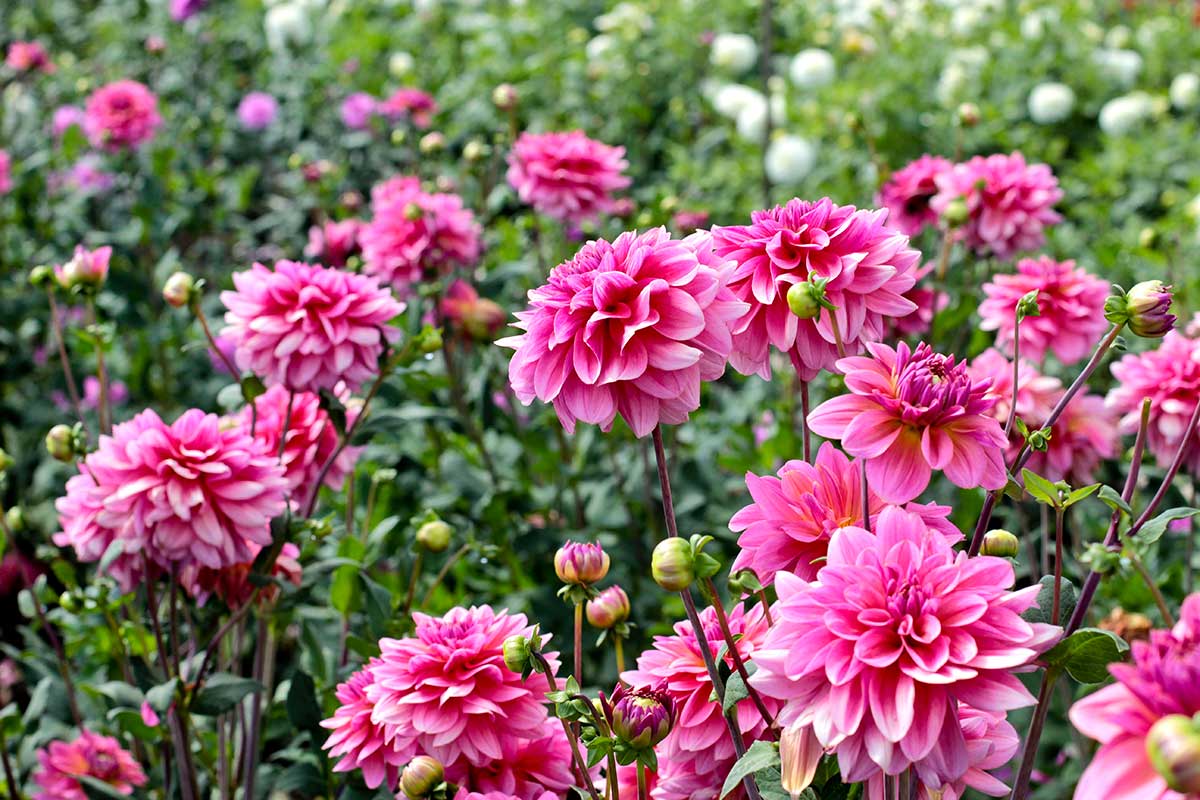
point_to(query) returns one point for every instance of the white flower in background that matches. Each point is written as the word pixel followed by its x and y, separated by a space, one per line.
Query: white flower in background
pixel 627 19
pixel 1150 31
pixel 1091 32
pixel 1122 114
pixel 1120 66
pixel 425 7
pixel 752 120
pixel 1035 24
pixel 962 69
pixel 288 24
pixel 789 159
pixel 1118 37
pixel 812 68
pixel 1185 91
pixel 400 64
pixel 735 52
pixel 1050 103
pixel 599 47
pixel 731 99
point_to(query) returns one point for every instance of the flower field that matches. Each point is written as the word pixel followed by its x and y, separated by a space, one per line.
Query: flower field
pixel 641 400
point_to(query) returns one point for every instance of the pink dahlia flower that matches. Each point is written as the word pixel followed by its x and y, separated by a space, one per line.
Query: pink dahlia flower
pixel 910 412
pixel 528 769
pixel 929 302
pixel 409 103
pixel 699 736
pixel 65 117
pixel 232 585
pixel 5 172
pixel 1164 679
pixel 788 526
pixel 357 110
pixel 907 193
pixel 414 234
pixel 898 621
pixel 358 742
pixel 632 327
pixel 445 692
pixel 1170 377
pixel 307 327
pixel 29 57
pixel 183 10
pixel 1070 302
pixel 86 267
pixel 868 266
pixel 180 494
pixel 464 794
pixel 62 764
pixel 683 780
pixel 121 115
pixel 257 111
pixel 1009 203
pixel 478 317
pixel 86 176
pixel 333 243
pixel 566 176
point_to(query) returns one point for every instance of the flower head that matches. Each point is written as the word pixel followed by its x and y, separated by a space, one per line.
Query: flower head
pixel 867 267
pixel 121 115
pixel 333 243
pixel 357 110
pixel 898 621
pixel 630 327
pixel 257 111
pixel 1170 377
pixel 90 755
pixel 28 57
pixel 478 317
pixel 907 193
pixel 566 176
pixel 642 717
pixel 86 268
pixel 582 563
pixel 5 172
pixel 409 103
pixel 307 327
pixel 910 412
pixel 1070 304
pixel 528 769
pixel 608 609
pixel 182 10
pixel 1146 309
pixel 65 117
pixel 355 740
pixel 233 586
pixel 421 776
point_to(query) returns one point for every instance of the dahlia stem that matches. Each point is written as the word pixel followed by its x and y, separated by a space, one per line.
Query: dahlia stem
pixel 943 262
pixel 989 503
pixel 641 778
pixel 212 341
pixel 1029 753
pixel 262 669
pixel 579 644
pixel 188 788
pixel 837 334
pixel 450 562
pixel 173 611
pixel 103 412
pixel 10 777
pixel 804 409
pixel 581 772
pixel 1056 605
pixel 337 451
pixel 1044 529
pixel 60 653
pixel 619 647
pixel 1012 410
pixel 287 423
pixel 1189 543
pixel 56 325
pixel 766 606
pixel 866 497
pixel 738 663
pixel 214 644
pixel 766 37
pixel 412 584
pixel 1139 567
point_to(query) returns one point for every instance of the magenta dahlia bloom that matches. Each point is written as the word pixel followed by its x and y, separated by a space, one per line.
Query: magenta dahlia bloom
pixel 566 176
pixel 180 494
pixel 699 736
pixel 788 526
pixel 409 103
pixel 357 110
pixel 867 265
pixel 65 117
pixel 257 111
pixel 333 243
pixel 1009 203
pixel 1170 377
pixel 910 412
pixel 445 692
pixel 358 742
pixel 5 172
pixel 630 327
pixel 907 193
pixel 121 116
pixel 307 327
pixel 414 234
pixel 29 57
pixel 1070 302
pixel 929 302
pixel 464 794
pixel 898 621
pixel 62 764
pixel 1164 679
pixel 183 10
pixel 528 769
pixel 232 585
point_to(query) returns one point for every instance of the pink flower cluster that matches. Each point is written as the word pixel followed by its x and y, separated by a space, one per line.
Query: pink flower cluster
pixel 867 265
pixel 566 176
pixel 121 116
pixel 29 57
pixel 232 585
pixel 408 103
pixel 630 327
pixel 414 233
pixel 908 192
pixel 333 242
pixel 90 755
pixel 257 111
pixel 5 172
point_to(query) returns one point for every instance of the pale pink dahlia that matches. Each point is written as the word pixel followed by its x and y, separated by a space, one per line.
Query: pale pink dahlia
pixel 699 736
pixel 630 327
pixel 307 327
pixel 788 526
pixel 90 755
pixel 868 266
pixel 1009 203
pixel 121 115
pixel 1170 377
pixel 29 57
pixel 411 104
pixel 907 193
pixel 414 234
pixel 895 632
pixel 445 692
pixel 1070 302
pixel 566 176
pixel 528 769
pixel 910 412
pixel 1164 679
pixel 356 741
pixel 334 242
pixel 180 494
pixel 5 172
pixel 683 780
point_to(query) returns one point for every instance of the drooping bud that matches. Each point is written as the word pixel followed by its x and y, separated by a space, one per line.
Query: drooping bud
pixel 1000 543
pixel 641 718
pixel 178 290
pixel 807 298
pixel 517 653
pixel 1173 745
pixel 434 536
pixel 581 563
pixel 474 150
pixel 609 609
pixel 799 753
pixel 673 564
pixel 422 775
pixel 60 443
pixel 505 97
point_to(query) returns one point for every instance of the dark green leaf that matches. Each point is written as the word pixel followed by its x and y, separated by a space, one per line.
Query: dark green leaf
pixel 1039 488
pixel 1113 500
pixel 1153 530
pixel 1086 654
pixel 302 708
pixel 760 756
pixel 1044 609
pixel 222 692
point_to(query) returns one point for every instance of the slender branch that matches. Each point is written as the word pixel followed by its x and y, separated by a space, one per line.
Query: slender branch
pixel 736 657
pixel 63 667
pixel 579 643
pixel 324 471
pixel 581 771
pixel 1139 567
pixel 214 643
pixel 10 777
pixel 837 333
pixel 641 779
pixel 1056 605
pixel 59 343
pixel 1029 754
pixel 212 342
pixel 437 581
pixel 412 583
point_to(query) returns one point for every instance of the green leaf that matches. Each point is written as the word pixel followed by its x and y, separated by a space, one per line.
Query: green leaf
pixel 97 789
pixel 760 756
pixel 345 592
pixel 222 692
pixel 302 708
pixel 121 693
pixel 1086 654
pixel 735 691
pixel 1153 530
pixel 159 697
pixel 1113 500
pixel 379 605
pixel 1081 493
pixel 1039 488
pixel 1044 609
pixel 38 701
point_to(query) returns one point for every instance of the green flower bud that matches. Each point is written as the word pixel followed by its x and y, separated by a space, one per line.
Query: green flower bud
pixel 807 298
pixel 42 276
pixel 968 115
pixel 1000 542
pixel 474 150
pixel 6 461
pixel 1149 305
pixel 673 564
pixel 434 536
pixel 178 290
pixel 432 142
pixel 505 97
pixel 422 775
pixel 60 443
pixel 641 718
pixel 956 213
pixel 581 563
pixel 517 653
pixel 1173 745
pixel 608 609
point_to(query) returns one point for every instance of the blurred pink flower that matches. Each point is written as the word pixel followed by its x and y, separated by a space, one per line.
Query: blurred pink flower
pixel 29 57
pixel 333 242
pixel 566 176
pixel 5 172
pixel 1009 203
pixel 307 327
pixel 632 327
pixel 86 267
pixel 788 526
pixel 478 317
pixel 64 118
pixel 121 115
pixel 86 176
pixel 257 111
pixel 1170 377
pixel 464 794
pixel 358 742
pixel 929 303
pixel 688 221
pixel 409 103
pixel 898 628
pixel 232 585
pixel 910 412
pixel 1164 679
pixel 357 110
pixel 91 755
pixel 868 267
pixel 907 193
pixel 528 768
pixel 182 10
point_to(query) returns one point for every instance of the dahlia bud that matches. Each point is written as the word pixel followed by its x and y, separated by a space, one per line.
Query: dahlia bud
pixel 1149 304
pixel 799 754
pixel 673 564
pixel 956 213
pixel 41 276
pixel 1039 440
pixel 807 298
pixel 60 443
pixel 178 290
pixel 434 536
pixel 641 718
pixel 581 563
pixel 517 654
pixel 968 115
pixel 87 269
pixel 15 518
pixel 1001 543
pixel 432 142
pixel 421 777
pixel 474 150
pixel 6 461
pixel 609 609
pixel 1148 238
pixel 1173 745
pixel 413 212
pixel 505 97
